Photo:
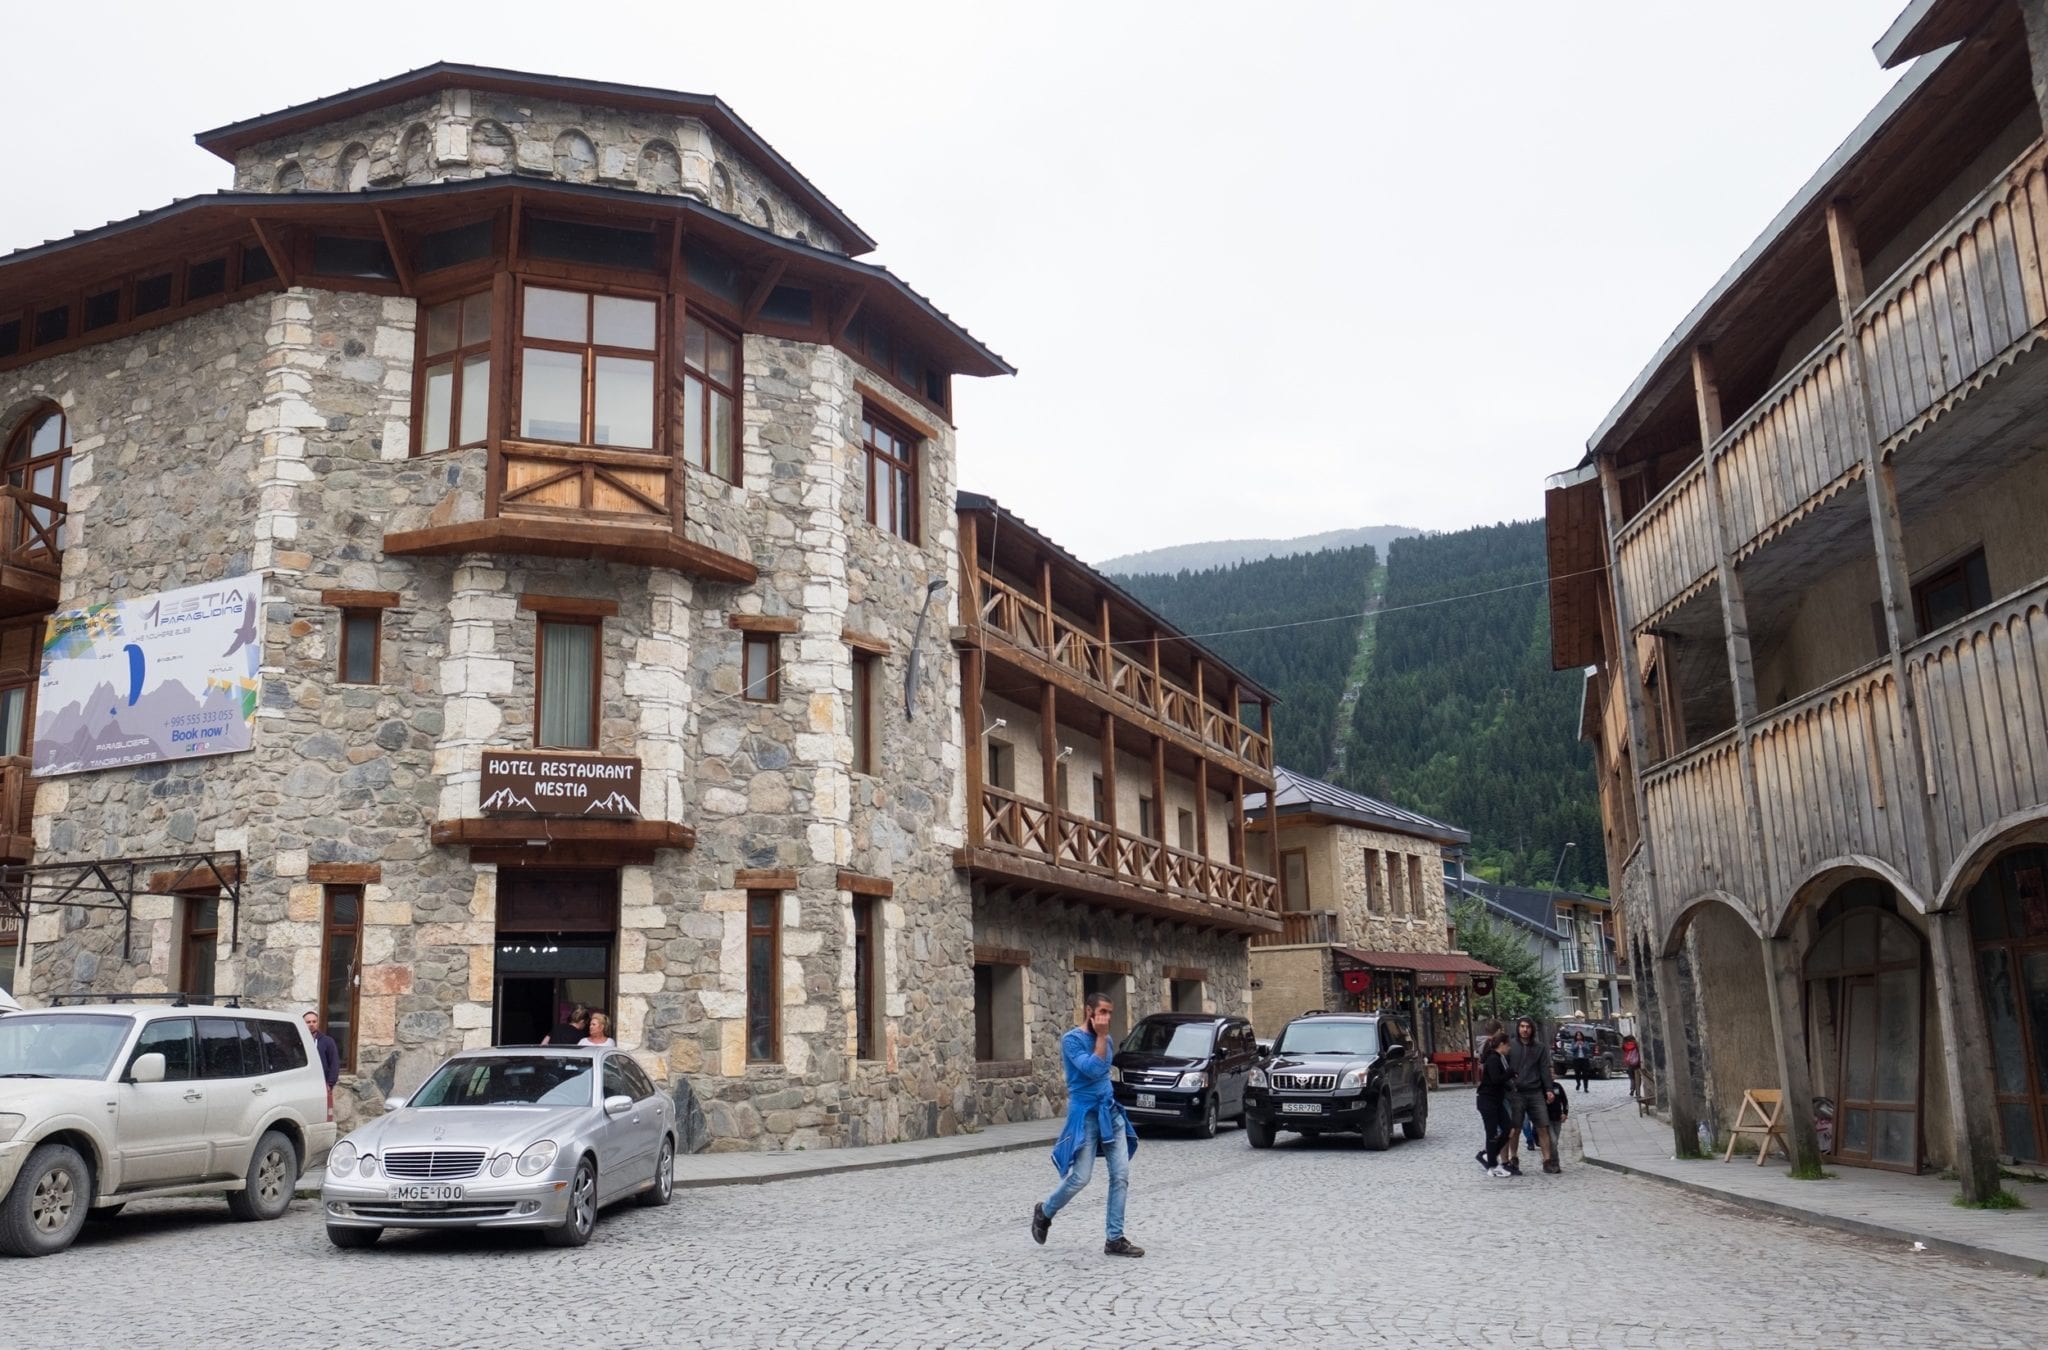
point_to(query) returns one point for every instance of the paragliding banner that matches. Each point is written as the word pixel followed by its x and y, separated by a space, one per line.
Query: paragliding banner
pixel 167 676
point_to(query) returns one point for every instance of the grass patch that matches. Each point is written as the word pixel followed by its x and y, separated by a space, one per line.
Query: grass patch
pixel 1813 1173
pixel 1690 1153
pixel 1999 1199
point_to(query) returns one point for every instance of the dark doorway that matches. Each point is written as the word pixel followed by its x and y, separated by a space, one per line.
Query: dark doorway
pixel 556 931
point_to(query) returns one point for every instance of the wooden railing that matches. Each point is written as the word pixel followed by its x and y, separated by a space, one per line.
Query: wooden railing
pixel 1794 450
pixel 1698 820
pixel 31 529
pixel 1013 824
pixel 1301 927
pixel 1025 622
pixel 1667 553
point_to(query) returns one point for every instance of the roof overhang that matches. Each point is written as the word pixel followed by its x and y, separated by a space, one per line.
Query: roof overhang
pixel 1928 25
pixel 1575 537
pixel 227 141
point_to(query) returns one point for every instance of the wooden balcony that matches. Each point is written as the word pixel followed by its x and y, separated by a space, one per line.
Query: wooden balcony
pixel 1698 822
pixel 17 809
pixel 31 550
pixel 1667 553
pixel 1028 846
pixel 1302 928
pixel 1011 622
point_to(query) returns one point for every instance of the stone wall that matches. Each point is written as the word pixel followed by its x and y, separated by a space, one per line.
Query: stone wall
pixel 1287 982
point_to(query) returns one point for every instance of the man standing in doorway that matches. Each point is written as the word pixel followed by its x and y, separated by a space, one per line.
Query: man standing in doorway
pixel 330 1057
pixel 1095 1124
pixel 1531 1087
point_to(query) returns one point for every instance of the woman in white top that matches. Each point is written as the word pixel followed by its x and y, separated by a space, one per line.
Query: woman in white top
pixel 600 1030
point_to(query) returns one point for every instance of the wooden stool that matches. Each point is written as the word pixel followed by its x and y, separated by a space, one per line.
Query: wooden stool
pixel 1753 1119
pixel 1646 1091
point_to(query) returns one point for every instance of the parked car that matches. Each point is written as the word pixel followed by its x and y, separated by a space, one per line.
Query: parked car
pixel 1185 1069
pixel 1339 1073
pixel 541 1137
pixel 1603 1043
pixel 110 1103
pixel 7 1003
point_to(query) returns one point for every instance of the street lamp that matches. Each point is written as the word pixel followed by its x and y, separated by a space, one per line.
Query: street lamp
pixel 1558 871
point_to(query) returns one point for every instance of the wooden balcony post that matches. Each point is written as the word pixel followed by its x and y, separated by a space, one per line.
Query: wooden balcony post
pixel 1049 760
pixel 1266 729
pixel 970 571
pixel 970 727
pixel 1158 681
pixel 1045 602
pixel 1202 807
pixel 1786 984
pixel 1109 785
pixel 1159 796
pixel 1238 857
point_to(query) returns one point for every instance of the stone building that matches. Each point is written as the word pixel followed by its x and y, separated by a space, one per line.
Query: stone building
pixel 591 509
pixel 1801 562
pixel 1364 923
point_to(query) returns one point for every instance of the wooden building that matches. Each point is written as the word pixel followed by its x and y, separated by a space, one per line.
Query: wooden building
pixel 1802 564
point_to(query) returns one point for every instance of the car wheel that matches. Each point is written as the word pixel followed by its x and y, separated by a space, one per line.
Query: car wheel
pixel 273 1173
pixel 1417 1123
pixel 577 1224
pixel 1207 1129
pixel 41 1216
pixel 101 1213
pixel 1380 1132
pixel 1256 1132
pixel 353 1239
pixel 664 1185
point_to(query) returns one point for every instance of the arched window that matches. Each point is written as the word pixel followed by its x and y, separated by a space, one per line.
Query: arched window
pixel 38 463
pixel 721 189
pixel 764 214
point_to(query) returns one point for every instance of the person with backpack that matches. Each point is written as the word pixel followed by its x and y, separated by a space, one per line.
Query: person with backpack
pixel 1632 1060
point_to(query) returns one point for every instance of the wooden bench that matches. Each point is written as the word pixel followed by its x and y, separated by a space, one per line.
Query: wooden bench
pixel 1753 1120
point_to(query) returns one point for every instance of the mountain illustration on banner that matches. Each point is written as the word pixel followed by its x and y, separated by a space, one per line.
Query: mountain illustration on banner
pixel 617 804
pixel 505 799
pixel 174 675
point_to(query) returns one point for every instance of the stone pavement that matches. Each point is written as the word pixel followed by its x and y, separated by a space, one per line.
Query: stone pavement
pixel 1888 1206
pixel 1306 1244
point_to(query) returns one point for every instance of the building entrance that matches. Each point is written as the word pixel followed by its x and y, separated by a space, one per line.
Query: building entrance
pixel 2009 923
pixel 1863 1001
pixel 557 928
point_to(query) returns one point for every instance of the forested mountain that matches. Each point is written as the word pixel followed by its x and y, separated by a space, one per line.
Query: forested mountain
pixel 1463 717
pixel 1459 716
pixel 1226 552
pixel 1305 666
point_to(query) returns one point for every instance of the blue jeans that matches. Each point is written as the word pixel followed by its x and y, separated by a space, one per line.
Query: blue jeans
pixel 1083 1170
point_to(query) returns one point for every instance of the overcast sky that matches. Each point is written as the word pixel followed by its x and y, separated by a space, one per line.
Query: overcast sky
pixel 1265 270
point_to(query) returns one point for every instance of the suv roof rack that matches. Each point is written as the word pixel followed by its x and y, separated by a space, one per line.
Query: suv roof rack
pixel 176 1000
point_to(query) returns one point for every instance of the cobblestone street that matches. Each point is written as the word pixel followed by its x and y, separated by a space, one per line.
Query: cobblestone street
pixel 1309 1244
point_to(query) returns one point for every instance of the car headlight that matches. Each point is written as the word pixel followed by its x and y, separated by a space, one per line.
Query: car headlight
pixel 342 1160
pixel 538 1158
pixel 1258 1078
pixel 1352 1080
pixel 1189 1082
pixel 1116 1075
pixel 501 1164
pixel 368 1166
pixel 10 1122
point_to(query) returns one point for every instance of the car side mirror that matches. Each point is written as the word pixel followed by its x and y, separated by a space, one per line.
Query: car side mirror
pixel 1264 1049
pixel 618 1105
pixel 394 1103
pixel 1397 1051
pixel 147 1068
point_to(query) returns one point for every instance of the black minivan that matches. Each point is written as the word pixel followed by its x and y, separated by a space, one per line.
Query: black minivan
pixel 1186 1070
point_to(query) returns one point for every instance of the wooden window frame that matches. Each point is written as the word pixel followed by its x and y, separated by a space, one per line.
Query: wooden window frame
pixel 699 456
pixel 772 931
pixel 189 932
pixel 1957 569
pixel 375 618
pixel 1375 889
pixel 751 640
pixel 16 458
pixel 872 419
pixel 867 993
pixel 456 358
pixel 589 350
pixel 861 724
pixel 1000 752
pixel 330 930
pixel 541 620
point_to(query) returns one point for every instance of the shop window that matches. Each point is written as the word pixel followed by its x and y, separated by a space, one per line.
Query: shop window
pixel 867 973
pixel 1185 995
pixel 340 966
pixel 586 368
pixel 453 380
pixel 890 455
pixel 199 943
pixel 1294 880
pixel 764 977
pixel 861 712
pixel 998 1012
pixel 567 676
pixel 1002 765
pixel 711 383
pixel 761 667
pixel 1959 588
pixel 362 645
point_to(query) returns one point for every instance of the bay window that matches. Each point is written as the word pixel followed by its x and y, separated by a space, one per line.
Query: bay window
pixel 454 379
pixel 710 394
pixel 586 368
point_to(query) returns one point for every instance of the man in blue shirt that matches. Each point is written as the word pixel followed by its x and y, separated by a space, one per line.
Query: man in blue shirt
pixel 1095 1124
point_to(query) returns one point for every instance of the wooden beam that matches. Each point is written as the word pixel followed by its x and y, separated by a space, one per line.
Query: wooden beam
pixel 1185 972
pixel 534 537
pixel 1000 956
pixel 1095 965
pixel 1159 803
pixel 862 884
pixel 871 643
pixel 1079 890
pixel 1109 779
pixel 763 623
pixel 571 830
pixel 345 874
pixel 970 570
pixel 849 310
pixel 763 879
pixel 398 260
pixel 569 606
pixel 1049 763
pixel 763 288
pixel 280 258
pixel 359 599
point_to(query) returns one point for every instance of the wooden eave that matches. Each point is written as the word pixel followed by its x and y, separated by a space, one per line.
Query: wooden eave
pixel 193 225
pixel 228 141
pixel 26 589
pixel 548 537
pixel 1929 25
pixel 1575 536
pixel 1025 874
pixel 519 830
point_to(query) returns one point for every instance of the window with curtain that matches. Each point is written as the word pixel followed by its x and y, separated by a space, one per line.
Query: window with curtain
pixel 14 720
pixel 586 368
pixel 760 667
pixel 567 673
pixel 711 373
pixel 454 376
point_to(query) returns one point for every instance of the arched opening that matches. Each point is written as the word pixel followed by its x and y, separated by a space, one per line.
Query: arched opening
pixel 352 170
pixel 416 154
pixel 290 177
pixel 1866 1023
pixel 491 148
pixel 1723 1007
pixel 575 157
pixel 721 188
pixel 38 464
pixel 661 168
pixel 2008 909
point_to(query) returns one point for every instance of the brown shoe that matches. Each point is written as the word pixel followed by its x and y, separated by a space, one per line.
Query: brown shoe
pixel 1122 1247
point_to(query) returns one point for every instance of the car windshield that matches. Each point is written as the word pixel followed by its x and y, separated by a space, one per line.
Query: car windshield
pixel 1182 1040
pixel 1329 1038
pixel 61 1045
pixel 508 1080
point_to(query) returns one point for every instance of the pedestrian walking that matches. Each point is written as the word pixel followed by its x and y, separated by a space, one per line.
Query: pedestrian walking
pixel 570 1029
pixel 1494 1077
pixel 1095 1124
pixel 1632 1060
pixel 1582 1058
pixel 330 1057
pixel 1534 1087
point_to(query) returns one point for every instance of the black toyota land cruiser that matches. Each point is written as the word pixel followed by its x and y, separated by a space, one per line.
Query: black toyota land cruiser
pixel 1339 1073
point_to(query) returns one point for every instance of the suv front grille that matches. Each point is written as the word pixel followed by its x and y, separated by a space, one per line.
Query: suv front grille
pixel 1305 1082
pixel 439 1164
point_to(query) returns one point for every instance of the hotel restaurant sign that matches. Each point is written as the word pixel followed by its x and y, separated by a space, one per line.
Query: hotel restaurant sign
pixel 550 783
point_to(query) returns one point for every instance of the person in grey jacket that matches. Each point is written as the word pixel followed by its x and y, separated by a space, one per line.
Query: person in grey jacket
pixel 1530 1089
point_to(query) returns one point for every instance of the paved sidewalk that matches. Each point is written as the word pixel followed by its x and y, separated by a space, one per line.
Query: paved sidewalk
pixel 746 1169
pixel 1888 1206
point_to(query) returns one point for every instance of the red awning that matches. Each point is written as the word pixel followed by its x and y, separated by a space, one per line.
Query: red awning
pixel 1447 963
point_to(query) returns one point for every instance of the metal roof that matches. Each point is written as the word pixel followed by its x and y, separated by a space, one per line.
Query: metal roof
pixel 225 141
pixel 1298 794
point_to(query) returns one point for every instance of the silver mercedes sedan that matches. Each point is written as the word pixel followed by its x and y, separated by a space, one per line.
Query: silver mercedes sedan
pixel 513 1137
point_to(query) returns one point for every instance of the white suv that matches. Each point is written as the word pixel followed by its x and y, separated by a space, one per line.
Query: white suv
pixel 109 1103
